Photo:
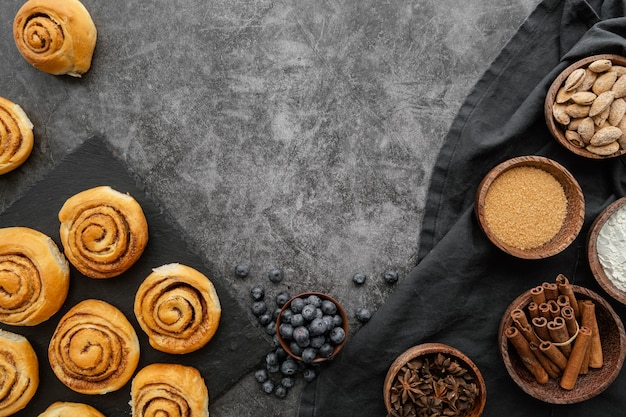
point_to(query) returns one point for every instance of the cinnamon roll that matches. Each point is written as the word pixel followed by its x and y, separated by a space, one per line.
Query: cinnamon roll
pixel 94 348
pixel 103 231
pixel 34 277
pixel 68 409
pixel 57 37
pixel 19 373
pixel 16 136
pixel 178 308
pixel 169 390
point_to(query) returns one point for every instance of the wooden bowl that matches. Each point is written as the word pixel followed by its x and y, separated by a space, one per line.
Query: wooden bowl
pixel 592 252
pixel 430 350
pixel 575 215
pixel 587 386
pixel 286 344
pixel 556 129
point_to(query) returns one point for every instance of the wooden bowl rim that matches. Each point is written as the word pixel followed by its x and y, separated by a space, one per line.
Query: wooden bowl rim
pixel 344 325
pixel 534 389
pixel 592 252
pixel 427 349
pixel 555 129
pixel 575 206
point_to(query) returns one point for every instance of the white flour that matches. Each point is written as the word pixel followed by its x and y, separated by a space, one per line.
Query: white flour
pixel 611 248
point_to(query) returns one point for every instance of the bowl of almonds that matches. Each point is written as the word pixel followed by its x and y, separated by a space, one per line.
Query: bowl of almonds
pixel 434 379
pixel 586 104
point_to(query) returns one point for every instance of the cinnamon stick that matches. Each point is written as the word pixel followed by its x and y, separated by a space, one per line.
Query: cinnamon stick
pixel 588 319
pixel 540 324
pixel 559 334
pixel 566 289
pixel 533 309
pixel 538 295
pixel 551 369
pixel 570 374
pixel 570 320
pixel 528 358
pixel 562 300
pixel 555 310
pixel 551 290
pixel 544 311
pixel 555 355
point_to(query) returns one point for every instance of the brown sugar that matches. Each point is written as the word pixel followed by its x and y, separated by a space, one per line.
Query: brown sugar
pixel 525 207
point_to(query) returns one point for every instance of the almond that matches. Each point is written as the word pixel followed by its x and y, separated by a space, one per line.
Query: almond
pixel 574 79
pixel 583 97
pixel 600 119
pixel 574 123
pixel 617 111
pixel 606 135
pixel 588 80
pixel 604 150
pixel 563 96
pixel 577 110
pixel 619 87
pixel 619 69
pixel 574 138
pixel 600 65
pixel 586 129
pixel 559 111
pixel 601 103
pixel 604 82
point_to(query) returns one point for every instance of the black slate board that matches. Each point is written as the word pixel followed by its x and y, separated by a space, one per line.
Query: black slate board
pixel 238 345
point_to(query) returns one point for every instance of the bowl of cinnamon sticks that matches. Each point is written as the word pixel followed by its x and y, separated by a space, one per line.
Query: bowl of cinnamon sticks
pixel 562 343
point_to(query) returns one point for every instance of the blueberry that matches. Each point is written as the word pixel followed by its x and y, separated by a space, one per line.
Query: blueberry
pixel 271 328
pixel 317 327
pixel 337 320
pixel 280 391
pixel 296 319
pixel 281 354
pixel 261 376
pixel 391 277
pixel 309 312
pixel 271 358
pixel 258 308
pixel 288 382
pixel 296 305
pixel 286 330
pixel 301 336
pixel 337 335
pixel 359 278
pixel 289 367
pixel 257 293
pixel 272 369
pixel 326 350
pixel 314 300
pixel 286 316
pixel 275 340
pixel 328 307
pixel 330 323
pixel 308 355
pixel 242 270
pixel 268 386
pixel 265 318
pixel 295 348
pixel 276 312
pixel 309 374
pixel 282 298
pixel 363 314
pixel 317 341
pixel 275 275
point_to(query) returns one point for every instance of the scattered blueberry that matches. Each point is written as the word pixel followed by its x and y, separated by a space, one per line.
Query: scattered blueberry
pixel 242 270
pixel 257 293
pixel 265 318
pixel 282 298
pixel 391 277
pixel 288 382
pixel 268 386
pixel 258 308
pixel 359 278
pixel 261 376
pixel 363 314
pixel 309 375
pixel 275 275
pixel 271 358
pixel 280 391
pixel 289 367
pixel 272 369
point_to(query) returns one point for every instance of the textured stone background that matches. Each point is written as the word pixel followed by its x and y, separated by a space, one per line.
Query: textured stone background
pixel 298 134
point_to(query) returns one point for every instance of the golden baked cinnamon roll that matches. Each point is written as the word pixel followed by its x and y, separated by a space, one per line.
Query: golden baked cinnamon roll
pixel 57 37
pixel 94 348
pixel 169 390
pixel 103 231
pixel 68 409
pixel 34 277
pixel 16 136
pixel 19 377
pixel 178 308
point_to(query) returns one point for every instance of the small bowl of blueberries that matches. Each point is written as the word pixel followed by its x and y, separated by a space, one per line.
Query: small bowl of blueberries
pixel 312 327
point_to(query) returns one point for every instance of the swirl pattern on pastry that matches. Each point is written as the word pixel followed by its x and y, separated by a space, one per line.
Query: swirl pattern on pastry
pixel 103 231
pixel 178 308
pixel 19 373
pixel 94 349
pixel 169 390
pixel 69 409
pixel 57 37
pixel 34 277
pixel 16 136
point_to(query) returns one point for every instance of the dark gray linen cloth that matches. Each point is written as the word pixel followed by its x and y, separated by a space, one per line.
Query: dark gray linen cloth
pixel 462 284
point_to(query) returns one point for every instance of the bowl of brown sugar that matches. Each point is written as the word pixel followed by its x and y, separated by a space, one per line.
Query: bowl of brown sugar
pixel 530 207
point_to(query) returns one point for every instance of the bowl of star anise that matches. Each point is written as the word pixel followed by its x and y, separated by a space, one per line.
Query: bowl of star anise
pixel 434 379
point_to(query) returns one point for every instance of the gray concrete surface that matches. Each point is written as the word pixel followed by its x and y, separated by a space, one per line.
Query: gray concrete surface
pixel 298 134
